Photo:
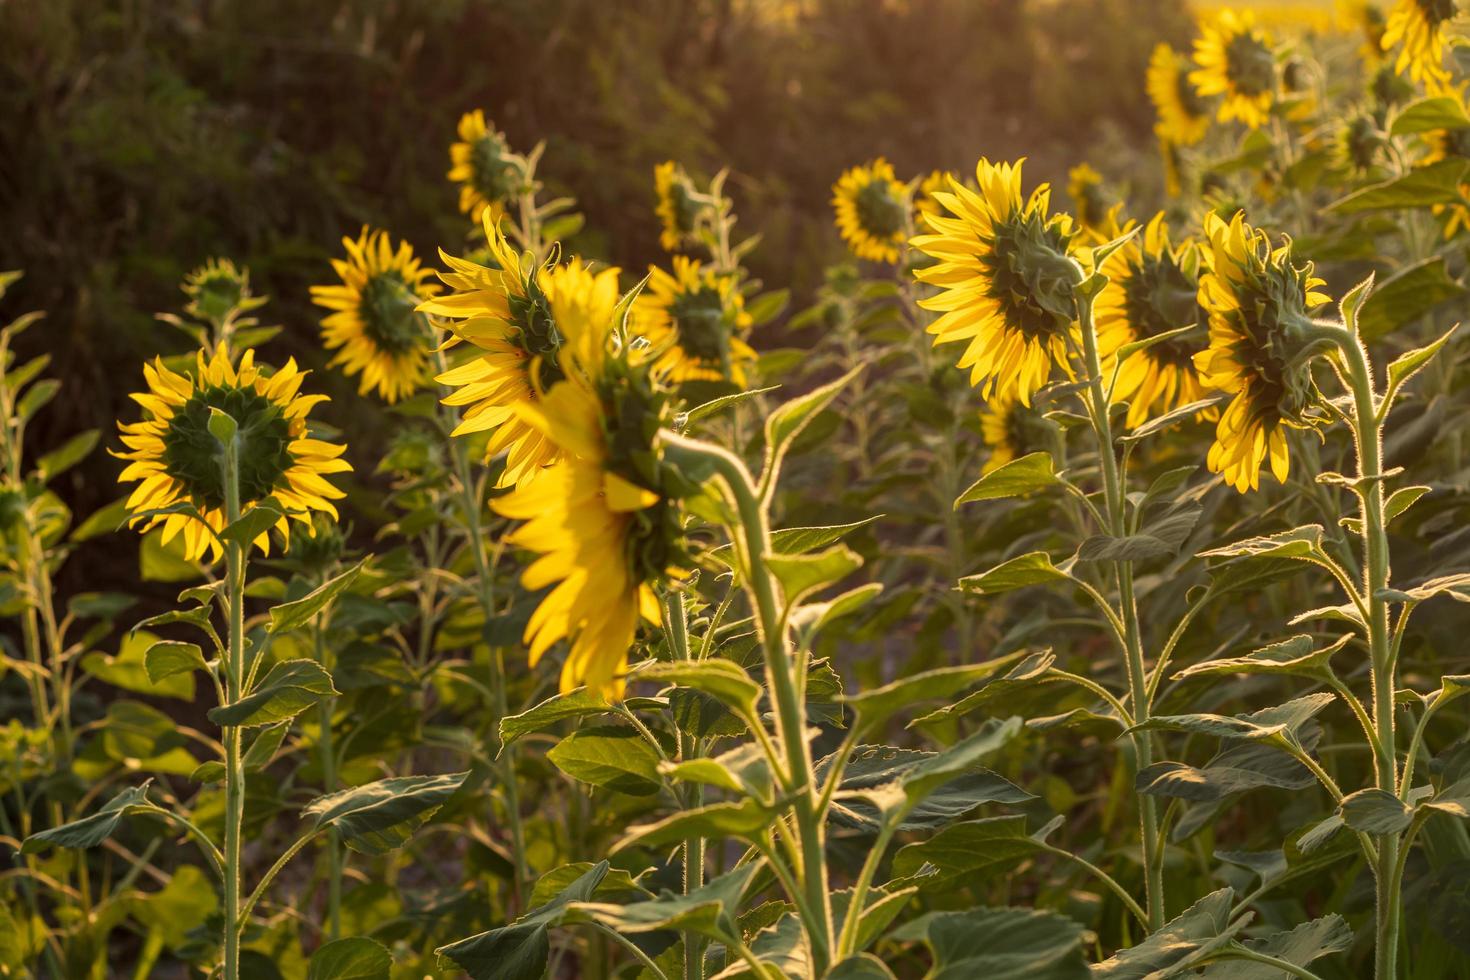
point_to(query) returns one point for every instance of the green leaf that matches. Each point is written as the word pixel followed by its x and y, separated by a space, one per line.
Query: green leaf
pixel 879 767
pixel 1438 183
pixel 1171 418
pixel 1425 115
pixel 72 452
pixel 767 306
pixel 256 521
pixel 716 676
pixel 519 951
pixel 263 749
pixel 1020 677
pixel 716 405
pixel 1298 543
pixel 1000 944
pixel 574 704
pixel 1407 295
pixel 37 396
pixel 1455 586
pixel 1277 721
pixel 128 669
pixel 786 421
pixel 797 540
pixel 350 959
pixel 1401 500
pixel 1375 811
pixel 169 657
pixel 709 910
pixel 875 706
pixel 966 853
pixel 801 575
pixel 1183 942
pixel 812 617
pixel 1133 547
pixel 715 821
pixel 1033 568
pixel 1234 770
pixel 1301 946
pixel 222 426
pixel 1017 478
pixel 294 615
pixel 1295 655
pixel 378 817
pixel 864 966
pixel 288 688
pixel 1405 366
pixel 616 884
pixel 964 756
pixel 610 756
pixel 1352 303
pixel 93 830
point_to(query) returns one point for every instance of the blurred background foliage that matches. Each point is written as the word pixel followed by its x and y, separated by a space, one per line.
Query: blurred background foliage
pixel 143 136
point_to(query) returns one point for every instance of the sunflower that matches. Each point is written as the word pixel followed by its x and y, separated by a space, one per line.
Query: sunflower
pixel 678 207
pixel 487 171
pixel 600 520
pixel 1084 187
pixel 872 210
pixel 1005 427
pixel 1261 340
pixel 924 201
pixel 1235 61
pixel 1419 26
pixel 1006 274
pixel 376 328
pixel 1184 117
pixel 176 460
pixel 1152 288
pixel 218 288
pixel 1358 144
pixel 695 320
pixel 504 310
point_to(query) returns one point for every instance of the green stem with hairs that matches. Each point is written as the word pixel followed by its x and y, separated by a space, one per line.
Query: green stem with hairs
pixel 328 755
pixel 234 684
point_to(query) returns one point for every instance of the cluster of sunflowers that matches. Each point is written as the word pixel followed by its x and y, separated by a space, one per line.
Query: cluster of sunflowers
pixel 592 472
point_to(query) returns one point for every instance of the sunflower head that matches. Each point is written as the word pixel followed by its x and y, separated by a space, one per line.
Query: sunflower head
pixel 217 290
pixel 695 322
pixel 1262 341
pixel 1010 430
pixel 1085 188
pixel 1153 289
pixel 177 461
pixel 1236 62
pixel 872 209
pixel 375 325
pixel 1006 273
pixel 1183 115
pixel 1359 143
pixel 679 207
pixel 924 201
pixel 1417 29
pixel 488 172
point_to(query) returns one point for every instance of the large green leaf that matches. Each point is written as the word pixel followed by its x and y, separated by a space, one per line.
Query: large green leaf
pixel 1033 568
pixel 1017 478
pixel 377 817
pixel 1000 944
pixel 574 704
pixel 288 688
pixel 786 421
pixel 715 821
pixel 611 756
pixel 1407 295
pixel 966 852
pixel 350 959
pixel 1183 942
pixel 877 705
pixel 92 830
pixel 1301 946
pixel 1426 115
pixel 1021 677
pixel 1277 721
pixel 128 669
pixel 1300 542
pixel 1237 769
pixel 1295 655
pixel 801 575
pixel 716 676
pixel 1438 183
pixel 709 910
pixel 1375 811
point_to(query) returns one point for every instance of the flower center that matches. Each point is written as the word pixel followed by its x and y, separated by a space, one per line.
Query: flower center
pixel 700 317
pixel 191 454
pixel 496 178
pixel 633 413
pixel 1160 297
pixel 880 211
pixel 539 337
pixel 387 310
pixel 1189 100
pixel 1436 12
pixel 686 208
pixel 1250 65
pixel 1030 276
pixel 1456 143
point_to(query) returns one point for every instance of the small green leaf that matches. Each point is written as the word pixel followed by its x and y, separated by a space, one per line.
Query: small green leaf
pixel 609 756
pixel 1269 723
pixel 716 676
pixel 1033 568
pixel 801 575
pixel 222 426
pixel 1425 115
pixel 1406 296
pixel 1171 418
pixel 709 910
pixel 1184 942
pixel 1295 655
pixel 294 615
pixel 786 421
pixel 350 959
pixel 1401 500
pixel 380 816
pixel 574 704
pixel 716 821
pixel 1017 478
pixel 877 705
pixel 288 688
pixel 717 405
pixel 92 830
pixel 257 521
pixel 72 452
pixel 1301 946
pixel 128 669
pixel 966 853
pixel 1405 366
pixel 169 657
pixel 1299 543
pixel 1375 811
pixel 1022 676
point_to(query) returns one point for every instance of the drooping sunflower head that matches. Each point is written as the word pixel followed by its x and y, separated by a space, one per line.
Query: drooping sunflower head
pixel 217 289
pixel 1237 63
pixel 176 460
pixel 679 209
pixel 503 309
pixel 1359 143
pixel 694 319
pixel 604 519
pixel 872 208
pixel 1184 117
pixel 375 325
pixel 488 172
pixel 1006 272
pixel 1417 29
pixel 1153 289
pixel 1261 345
pixel 1085 188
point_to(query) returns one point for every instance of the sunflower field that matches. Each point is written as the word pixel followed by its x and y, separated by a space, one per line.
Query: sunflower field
pixel 692 501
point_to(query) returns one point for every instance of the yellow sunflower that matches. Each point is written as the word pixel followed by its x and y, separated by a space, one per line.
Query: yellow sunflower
pixel 872 209
pixel 1236 62
pixel 678 207
pixel 1184 117
pixel 1152 288
pixel 176 460
pixel 1003 430
pixel 504 310
pixel 376 327
pixel 1366 18
pixel 694 320
pixel 487 171
pixel 1261 340
pixel 603 530
pixel 1417 29
pixel 1084 187
pixel 924 202
pixel 1006 274
pixel 218 288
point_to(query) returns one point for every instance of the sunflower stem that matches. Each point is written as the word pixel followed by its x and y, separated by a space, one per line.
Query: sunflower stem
pixel 234 684
pixel 325 710
pixel 785 678
pixel 1138 689
pixel 676 629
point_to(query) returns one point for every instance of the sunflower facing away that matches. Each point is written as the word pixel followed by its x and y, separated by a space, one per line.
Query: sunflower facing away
pixel 1260 347
pixel 482 163
pixel 1184 117
pixel 1417 28
pixel 505 312
pixel 1152 288
pixel 1005 274
pixel 872 208
pixel 1236 62
pixel 1084 187
pixel 376 328
pixel 175 459
pixel 678 209
pixel 604 529
pixel 1005 428
pixel 695 320
pixel 218 287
